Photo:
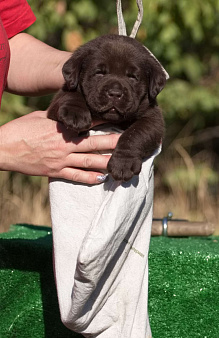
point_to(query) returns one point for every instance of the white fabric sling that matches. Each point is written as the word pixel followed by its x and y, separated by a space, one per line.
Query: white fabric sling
pixel 101 236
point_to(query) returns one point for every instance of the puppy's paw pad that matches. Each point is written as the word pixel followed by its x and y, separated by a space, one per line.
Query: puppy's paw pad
pixel 123 169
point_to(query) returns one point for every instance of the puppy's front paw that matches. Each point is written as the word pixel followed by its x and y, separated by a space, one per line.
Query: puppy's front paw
pixel 123 168
pixel 75 118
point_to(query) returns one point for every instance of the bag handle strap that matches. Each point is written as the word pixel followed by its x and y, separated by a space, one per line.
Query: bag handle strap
pixel 121 21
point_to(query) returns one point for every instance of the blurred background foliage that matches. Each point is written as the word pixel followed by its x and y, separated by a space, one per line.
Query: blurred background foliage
pixel 184 36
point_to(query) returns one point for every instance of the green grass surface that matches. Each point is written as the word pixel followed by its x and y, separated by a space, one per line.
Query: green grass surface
pixel 183 286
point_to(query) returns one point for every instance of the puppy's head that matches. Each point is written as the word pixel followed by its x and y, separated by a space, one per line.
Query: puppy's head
pixel 115 74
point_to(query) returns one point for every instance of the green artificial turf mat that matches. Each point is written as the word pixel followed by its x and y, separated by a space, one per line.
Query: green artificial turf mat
pixel 183 286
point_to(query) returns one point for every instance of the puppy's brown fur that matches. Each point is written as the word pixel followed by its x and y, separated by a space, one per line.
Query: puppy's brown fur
pixel 114 78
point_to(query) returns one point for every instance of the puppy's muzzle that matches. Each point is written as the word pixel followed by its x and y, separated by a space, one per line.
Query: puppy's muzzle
pixel 115 92
pixel 114 96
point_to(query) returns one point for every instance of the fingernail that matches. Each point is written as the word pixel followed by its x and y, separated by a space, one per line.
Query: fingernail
pixel 102 178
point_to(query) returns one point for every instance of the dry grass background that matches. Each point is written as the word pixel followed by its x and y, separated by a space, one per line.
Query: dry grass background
pixel 22 201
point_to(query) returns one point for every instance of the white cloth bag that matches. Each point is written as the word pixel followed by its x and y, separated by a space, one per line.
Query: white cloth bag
pixel 101 236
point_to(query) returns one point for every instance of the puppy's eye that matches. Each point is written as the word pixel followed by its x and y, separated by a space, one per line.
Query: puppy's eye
pixel 100 72
pixel 132 76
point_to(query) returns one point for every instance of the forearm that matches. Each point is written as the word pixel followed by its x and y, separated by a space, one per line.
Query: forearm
pixel 35 68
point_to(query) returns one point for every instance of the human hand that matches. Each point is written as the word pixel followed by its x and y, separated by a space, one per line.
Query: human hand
pixel 36 145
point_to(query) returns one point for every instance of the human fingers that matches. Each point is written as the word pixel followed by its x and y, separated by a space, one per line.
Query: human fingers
pixel 87 161
pixel 80 176
pixel 95 143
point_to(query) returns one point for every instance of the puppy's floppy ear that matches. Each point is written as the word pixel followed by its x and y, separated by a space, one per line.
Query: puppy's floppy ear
pixel 72 68
pixel 157 79
pixel 71 71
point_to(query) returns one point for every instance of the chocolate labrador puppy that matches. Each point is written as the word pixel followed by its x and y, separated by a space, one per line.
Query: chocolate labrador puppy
pixel 114 78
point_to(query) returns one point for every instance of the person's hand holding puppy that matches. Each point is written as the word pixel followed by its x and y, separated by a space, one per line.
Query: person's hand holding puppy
pixel 36 145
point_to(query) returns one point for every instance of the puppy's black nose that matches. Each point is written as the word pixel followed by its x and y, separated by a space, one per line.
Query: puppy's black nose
pixel 115 92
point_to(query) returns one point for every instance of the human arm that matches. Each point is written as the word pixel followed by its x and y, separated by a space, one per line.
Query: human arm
pixel 35 68
pixel 36 145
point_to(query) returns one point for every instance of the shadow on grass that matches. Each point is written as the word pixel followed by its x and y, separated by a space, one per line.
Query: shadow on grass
pixel 26 275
